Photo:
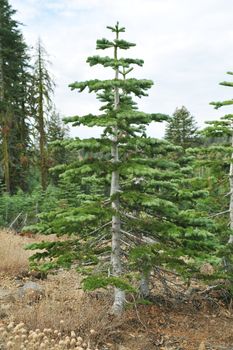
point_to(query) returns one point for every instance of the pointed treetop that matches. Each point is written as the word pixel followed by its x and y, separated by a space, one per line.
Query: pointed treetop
pixel 103 43
pixel 117 28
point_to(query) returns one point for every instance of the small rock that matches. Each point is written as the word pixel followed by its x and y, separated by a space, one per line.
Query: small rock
pixel 31 291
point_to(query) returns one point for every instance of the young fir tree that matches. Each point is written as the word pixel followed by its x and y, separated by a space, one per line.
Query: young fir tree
pixel 133 209
pixel 42 90
pixel 13 100
pixel 182 129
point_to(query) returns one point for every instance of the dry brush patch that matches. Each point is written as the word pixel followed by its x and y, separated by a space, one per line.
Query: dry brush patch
pixel 64 300
pixel 16 336
pixel 64 310
pixel 13 256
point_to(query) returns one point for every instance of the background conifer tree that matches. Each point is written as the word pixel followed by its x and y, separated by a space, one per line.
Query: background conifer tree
pixel 182 129
pixel 13 100
pixel 56 132
pixel 42 91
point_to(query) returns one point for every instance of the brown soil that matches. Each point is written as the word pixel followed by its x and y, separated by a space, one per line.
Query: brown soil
pixel 172 321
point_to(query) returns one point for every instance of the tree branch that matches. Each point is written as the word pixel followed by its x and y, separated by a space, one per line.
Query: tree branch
pixel 221 213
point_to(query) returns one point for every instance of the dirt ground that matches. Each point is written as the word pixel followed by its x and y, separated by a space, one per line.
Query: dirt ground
pixel 58 310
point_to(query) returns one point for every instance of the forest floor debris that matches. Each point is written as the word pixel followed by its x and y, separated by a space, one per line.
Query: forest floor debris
pixel 55 313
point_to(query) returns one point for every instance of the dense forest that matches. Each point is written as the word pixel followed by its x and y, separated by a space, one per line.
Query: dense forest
pixel 124 206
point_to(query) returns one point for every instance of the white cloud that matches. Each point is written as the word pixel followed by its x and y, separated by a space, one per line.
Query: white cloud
pixel 186 46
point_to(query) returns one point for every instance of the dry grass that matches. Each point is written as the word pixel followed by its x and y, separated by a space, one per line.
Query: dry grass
pixel 65 310
pixel 64 300
pixel 14 258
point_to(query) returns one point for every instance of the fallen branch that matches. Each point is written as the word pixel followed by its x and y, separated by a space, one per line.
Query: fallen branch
pixel 14 221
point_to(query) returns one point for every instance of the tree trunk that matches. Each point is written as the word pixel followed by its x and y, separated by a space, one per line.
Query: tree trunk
pixel 4 128
pixel 119 295
pixel 41 127
pixel 1 76
pixel 144 285
pixel 6 158
pixel 230 241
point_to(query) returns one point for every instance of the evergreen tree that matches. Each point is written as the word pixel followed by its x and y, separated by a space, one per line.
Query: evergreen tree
pixel 222 154
pixel 56 129
pixel 134 209
pixel 13 100
pixel 181 129
pixel 56 132
pixel 42 91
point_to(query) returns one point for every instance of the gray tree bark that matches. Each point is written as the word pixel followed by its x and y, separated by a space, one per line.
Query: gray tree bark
pixel 41 123
pixel 144 285
pixel 4 128
pixel 119 295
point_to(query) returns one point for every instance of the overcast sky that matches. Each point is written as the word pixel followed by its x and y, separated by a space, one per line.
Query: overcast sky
pixel 186 46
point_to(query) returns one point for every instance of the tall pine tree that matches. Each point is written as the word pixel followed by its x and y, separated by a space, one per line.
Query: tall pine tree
pixel 43 86
pixel 13 100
